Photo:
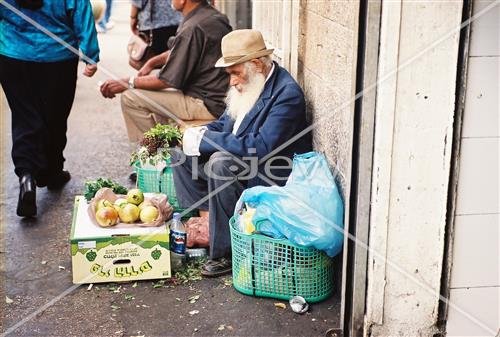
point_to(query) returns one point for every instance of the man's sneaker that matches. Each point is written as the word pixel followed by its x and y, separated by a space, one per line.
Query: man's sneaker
pixel 217 267
pixel 110 25
pixel 99 29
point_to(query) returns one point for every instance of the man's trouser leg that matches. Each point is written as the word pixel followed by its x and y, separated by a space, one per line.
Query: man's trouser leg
pixel 143 109
pixel 18 79
pixel 40 105
pixel 190 191
pixel 60 95
pixel 217 180
pixel 225 189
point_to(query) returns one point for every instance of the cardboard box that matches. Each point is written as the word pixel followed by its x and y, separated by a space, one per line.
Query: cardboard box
pixel 125 252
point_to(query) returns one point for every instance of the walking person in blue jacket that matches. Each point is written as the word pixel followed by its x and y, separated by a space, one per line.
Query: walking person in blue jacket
pixel 38 75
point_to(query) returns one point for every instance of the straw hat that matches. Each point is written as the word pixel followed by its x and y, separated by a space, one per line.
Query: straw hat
pixel 240 46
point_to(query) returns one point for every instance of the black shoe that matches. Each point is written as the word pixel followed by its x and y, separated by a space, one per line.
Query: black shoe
pixel 58 181
pixel 132 177
pixel 216 267
pixel 26 206
pixel 41 181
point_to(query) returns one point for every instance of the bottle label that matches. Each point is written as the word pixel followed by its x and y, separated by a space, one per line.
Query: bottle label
pixel 177 242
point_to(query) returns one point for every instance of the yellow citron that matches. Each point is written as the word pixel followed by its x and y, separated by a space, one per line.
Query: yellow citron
pixel 246 220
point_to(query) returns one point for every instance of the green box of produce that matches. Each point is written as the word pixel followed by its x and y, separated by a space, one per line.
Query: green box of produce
pixel 125 252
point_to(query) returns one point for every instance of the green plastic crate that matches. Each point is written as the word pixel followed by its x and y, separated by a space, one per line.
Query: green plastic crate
pixel 277 268
pixel 154 181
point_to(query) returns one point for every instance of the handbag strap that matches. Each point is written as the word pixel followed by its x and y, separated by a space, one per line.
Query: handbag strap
pixel 151 17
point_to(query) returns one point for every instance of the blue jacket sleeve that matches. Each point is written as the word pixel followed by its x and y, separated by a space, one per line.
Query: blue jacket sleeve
pixel 280 125
pixel 84 28
pixel 218 125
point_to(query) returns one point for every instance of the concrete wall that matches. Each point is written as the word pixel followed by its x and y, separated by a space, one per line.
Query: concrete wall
pixel 475 274
pixel 412 152
pixel 326 71
pixel 239 12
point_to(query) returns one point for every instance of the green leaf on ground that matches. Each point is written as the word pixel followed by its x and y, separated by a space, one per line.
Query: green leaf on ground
pixel 193 299
pixel 158 284
pixel 113 287
pixel 190 272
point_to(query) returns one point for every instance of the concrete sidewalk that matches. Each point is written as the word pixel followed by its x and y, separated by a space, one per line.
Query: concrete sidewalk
pixel 37 261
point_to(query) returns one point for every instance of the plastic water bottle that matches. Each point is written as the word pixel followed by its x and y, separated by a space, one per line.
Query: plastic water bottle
pixel 177 242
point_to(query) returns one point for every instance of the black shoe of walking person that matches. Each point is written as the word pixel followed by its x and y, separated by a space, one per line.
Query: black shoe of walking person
pixel 26 205
pixel 58 180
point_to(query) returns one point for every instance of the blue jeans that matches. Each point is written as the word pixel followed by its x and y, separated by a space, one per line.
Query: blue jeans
pixel 107 14
pixel 191 191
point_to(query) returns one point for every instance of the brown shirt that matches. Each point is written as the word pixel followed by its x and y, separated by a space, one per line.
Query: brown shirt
pixel 193 53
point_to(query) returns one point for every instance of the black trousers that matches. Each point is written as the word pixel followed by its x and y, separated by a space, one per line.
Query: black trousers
pixel 40 96
pixel 212 184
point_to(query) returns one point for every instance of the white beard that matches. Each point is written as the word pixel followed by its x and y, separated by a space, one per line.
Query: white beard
pixel 238 104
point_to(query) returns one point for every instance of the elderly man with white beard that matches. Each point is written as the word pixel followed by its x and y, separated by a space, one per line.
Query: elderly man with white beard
pixel 265 108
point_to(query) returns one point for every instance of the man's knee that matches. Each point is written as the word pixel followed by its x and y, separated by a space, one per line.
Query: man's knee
pixel 222 164
pixel 179 159
pixel 127 100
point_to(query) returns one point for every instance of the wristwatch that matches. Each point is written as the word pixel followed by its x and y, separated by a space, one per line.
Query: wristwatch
pixel 131 82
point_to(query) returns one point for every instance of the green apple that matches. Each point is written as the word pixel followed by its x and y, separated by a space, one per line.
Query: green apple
pixel 103 203
pixel 135 196
pixel 119 203
pixel 145 203
pixel 128 213
pixel 149 214
pixel 107 216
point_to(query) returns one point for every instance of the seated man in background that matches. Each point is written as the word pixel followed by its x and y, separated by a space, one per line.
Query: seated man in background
pixel 265 109
pixel 188 66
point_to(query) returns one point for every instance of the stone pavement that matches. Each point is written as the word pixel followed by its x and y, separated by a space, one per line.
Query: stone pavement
pixel 98 147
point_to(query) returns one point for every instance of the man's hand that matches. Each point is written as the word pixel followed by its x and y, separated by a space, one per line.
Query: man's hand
pixel 90 70
pixel 110 88
pixel 146 69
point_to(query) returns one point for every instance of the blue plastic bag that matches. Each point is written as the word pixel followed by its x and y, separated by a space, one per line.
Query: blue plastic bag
pixel 308 210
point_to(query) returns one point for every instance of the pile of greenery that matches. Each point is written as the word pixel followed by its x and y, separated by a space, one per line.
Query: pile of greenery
pixel 92 186
pixel 155 144
pixel 191 271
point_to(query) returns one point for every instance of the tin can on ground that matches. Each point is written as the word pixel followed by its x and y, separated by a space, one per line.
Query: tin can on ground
pixel 299 304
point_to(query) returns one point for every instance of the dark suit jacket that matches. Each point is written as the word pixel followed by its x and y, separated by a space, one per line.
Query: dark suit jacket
pixel 276 117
